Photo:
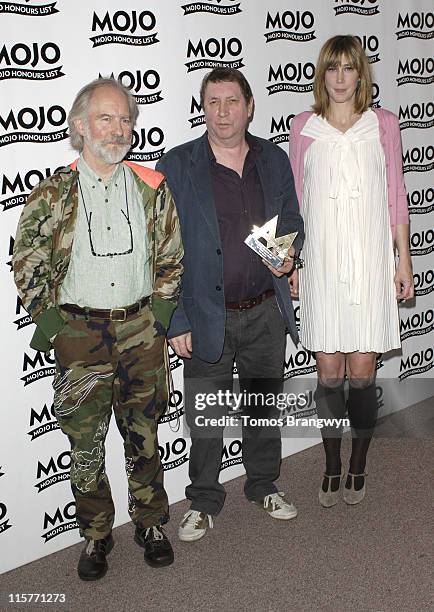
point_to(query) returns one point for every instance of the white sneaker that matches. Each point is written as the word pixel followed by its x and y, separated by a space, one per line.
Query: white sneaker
pixel 194 525
pixel 278 508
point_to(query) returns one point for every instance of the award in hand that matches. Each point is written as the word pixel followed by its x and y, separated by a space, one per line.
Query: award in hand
pixel 263 241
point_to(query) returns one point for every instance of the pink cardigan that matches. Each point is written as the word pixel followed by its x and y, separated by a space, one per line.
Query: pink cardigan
pixel 390 139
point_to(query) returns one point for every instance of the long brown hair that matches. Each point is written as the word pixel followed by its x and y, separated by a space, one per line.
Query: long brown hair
pixel 330 55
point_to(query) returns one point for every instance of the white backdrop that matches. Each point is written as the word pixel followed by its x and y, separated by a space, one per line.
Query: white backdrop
pixel 161 50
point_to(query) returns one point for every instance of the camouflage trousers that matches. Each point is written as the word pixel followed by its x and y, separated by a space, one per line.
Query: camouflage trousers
pixel 104 366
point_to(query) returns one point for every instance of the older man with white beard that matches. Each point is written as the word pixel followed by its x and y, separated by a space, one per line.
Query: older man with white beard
pixel 97 265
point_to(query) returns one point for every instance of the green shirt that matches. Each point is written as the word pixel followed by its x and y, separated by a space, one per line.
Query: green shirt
pixel 108 266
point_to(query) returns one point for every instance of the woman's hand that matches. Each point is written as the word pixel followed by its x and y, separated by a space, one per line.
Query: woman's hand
pixel 404 281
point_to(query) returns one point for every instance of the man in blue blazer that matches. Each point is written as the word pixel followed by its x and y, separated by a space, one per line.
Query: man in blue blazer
pixel 232 305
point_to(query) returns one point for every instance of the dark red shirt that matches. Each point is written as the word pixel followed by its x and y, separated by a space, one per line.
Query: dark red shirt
pixel 239 203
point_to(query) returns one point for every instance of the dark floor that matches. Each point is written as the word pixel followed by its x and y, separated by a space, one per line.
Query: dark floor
pixel 376 556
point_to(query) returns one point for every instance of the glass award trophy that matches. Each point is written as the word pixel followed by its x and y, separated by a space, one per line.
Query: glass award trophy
pixel 263 241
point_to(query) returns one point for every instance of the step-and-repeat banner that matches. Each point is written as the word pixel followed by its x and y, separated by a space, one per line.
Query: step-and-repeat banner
pixel 161 51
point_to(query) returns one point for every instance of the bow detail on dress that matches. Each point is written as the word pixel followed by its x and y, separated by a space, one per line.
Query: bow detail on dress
pixel 344 194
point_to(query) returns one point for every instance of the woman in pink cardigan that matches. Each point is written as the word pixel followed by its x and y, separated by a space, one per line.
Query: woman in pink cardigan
pixel 346 160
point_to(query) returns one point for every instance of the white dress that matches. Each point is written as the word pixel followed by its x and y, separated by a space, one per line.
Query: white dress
pixel 347 293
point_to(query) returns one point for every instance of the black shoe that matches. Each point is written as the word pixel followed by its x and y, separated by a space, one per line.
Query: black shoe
pixel 158 550
pixel 92 564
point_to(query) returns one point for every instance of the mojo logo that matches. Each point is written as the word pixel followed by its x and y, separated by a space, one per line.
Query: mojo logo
pixel 297 317
pixel 359 7
pixel 41 360
pixel 176 449
pixel 290 25
pixel 423 282
pixel 175 408
pixel 11 250
pixel 15 61
pixel 174 359
pixel 143 137
pixel 65 518
pixel 375 96
pixel 195 107
pixel 135 81
pixel 418 115
pixel 379 392
pixel 419 70
pixel 210 7
pixel 46 422
pixel 415 25
pixel 211 53
pixel 231 455
pixel 421 202
pixel 418 363
pixel 379 362
pixel 422 243
pixel 56 470
pixel 371 46
pixel 419 159
pixel 417 324
pixel 16 124
pixel 17 188
pixel 4 524
pixel 288 77
pixel 23 321
pixel 29 10
pixel 299 364
pixel 121 22
pixel 282 126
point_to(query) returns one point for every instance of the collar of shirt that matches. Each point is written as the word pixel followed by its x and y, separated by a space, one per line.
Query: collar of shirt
pixel 92 180
pixel 254 148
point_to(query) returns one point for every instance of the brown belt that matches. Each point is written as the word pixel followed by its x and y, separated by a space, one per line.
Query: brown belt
pixel 111 314
pixel 245 304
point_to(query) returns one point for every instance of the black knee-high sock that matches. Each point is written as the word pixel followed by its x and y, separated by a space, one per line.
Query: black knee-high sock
pixel 362 412
pixel 330 404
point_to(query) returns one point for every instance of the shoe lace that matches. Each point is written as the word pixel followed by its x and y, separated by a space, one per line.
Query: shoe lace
pixel 157 533
pixel 192 518
pixel 276 500
pixel 90 548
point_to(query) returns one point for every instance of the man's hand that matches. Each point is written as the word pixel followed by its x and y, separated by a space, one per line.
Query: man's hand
pixel 293 284
pixel 182 345
pixel 288 264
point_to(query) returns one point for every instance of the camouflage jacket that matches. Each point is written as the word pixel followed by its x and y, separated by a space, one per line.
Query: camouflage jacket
pixel 45 234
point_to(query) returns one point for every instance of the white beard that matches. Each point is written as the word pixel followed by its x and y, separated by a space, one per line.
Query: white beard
pixel 108 153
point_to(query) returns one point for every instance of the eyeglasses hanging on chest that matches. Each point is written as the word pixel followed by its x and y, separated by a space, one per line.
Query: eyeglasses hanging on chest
pixel 126 214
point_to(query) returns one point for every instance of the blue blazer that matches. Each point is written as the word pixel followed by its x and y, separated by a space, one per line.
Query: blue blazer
pixel 201 307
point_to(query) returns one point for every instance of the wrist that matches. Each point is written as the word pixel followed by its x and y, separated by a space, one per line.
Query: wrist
pixel 404 259
pixel 403 251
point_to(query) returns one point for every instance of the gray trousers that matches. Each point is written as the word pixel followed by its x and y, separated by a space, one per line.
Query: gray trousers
pixel 256 339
